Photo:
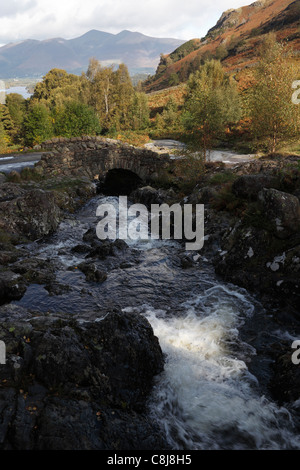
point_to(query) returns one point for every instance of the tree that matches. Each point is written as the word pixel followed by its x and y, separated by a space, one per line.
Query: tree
pixel 110 94
pixel 16 106
pixel 123 93
pixel 56 88
pixel 6 119
pixel 170 115
pixel 4 137
pixel 76 119
pixel 139 112
pixel 211 105
pixel 37 125
pixel 275 119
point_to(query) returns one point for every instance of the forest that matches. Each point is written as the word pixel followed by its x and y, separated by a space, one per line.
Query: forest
pixel 212 109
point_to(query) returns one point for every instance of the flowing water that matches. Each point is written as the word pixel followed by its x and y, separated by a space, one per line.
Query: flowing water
pixel 206 397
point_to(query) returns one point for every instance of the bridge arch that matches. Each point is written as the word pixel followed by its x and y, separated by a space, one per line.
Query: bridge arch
pixel 118 181
pixel 96 156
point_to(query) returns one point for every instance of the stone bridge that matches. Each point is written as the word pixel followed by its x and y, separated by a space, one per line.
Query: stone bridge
pixel 95 157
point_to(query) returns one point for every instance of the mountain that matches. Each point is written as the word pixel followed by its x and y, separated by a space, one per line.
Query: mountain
pixel 36 58
pixel 234 40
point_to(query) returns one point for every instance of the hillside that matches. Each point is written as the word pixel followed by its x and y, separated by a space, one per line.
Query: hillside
pixel 234 40
pixel 35 58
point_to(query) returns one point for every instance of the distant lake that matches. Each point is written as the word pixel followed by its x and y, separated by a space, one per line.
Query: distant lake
pixel 17 89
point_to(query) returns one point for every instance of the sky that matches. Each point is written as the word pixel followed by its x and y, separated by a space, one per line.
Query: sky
pixel 45 19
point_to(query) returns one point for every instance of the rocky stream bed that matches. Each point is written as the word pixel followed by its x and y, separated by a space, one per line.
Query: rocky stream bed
pixel 143 345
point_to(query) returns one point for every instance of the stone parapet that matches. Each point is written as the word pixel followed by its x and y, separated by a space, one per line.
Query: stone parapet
pixel 95 156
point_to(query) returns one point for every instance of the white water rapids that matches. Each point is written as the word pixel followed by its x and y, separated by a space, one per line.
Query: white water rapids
pixel 206 398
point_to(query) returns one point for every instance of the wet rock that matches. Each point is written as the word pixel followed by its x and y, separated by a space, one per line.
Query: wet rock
pixel 148 195
pixel 8 255
pixel 101 249
pixel 12 287
pixel 55 288
pixel 72 385
pixel 80 249
pixel 33 215
pixel 35 270
pixel 120 245
pixel 92 273
pixel 186 261
pixel 90 235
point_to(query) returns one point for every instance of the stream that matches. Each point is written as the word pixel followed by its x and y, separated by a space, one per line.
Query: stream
pixel 206 397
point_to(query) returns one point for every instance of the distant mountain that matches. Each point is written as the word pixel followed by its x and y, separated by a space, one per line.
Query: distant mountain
pixel 32 58
pixel 234 40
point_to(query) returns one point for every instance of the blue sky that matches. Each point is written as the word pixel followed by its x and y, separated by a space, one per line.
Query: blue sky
pixel 44 19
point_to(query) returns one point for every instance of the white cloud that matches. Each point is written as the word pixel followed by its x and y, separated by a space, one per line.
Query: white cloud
pixel 14 7
pixel 43 19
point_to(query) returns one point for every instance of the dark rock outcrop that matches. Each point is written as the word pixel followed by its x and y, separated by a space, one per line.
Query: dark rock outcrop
pixel 71 384
pixel 92 273
pixel 33 215
pixel 9 191
pixel 148 195
pixel 249 186
pixel 282 209
pixel 12 286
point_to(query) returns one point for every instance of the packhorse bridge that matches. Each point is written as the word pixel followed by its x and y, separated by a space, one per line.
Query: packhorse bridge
pixel 103 159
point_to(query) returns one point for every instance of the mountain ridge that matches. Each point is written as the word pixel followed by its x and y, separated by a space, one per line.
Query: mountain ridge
pixel 33 57
pixel 234 40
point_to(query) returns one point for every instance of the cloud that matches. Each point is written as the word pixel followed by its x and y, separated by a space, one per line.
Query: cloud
pixel 15 7
pixel 41 19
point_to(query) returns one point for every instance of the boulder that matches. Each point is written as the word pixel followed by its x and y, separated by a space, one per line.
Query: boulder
pixel 9 191
pixel 202 195
pixel 33 215
pixel 283 209
pixel 35 270
pixel 12 286
pixel 147 195
pixel 78 385
pixel 92 273
pixel 249 186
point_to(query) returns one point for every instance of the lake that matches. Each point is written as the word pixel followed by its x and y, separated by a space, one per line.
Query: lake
pixel 22 90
